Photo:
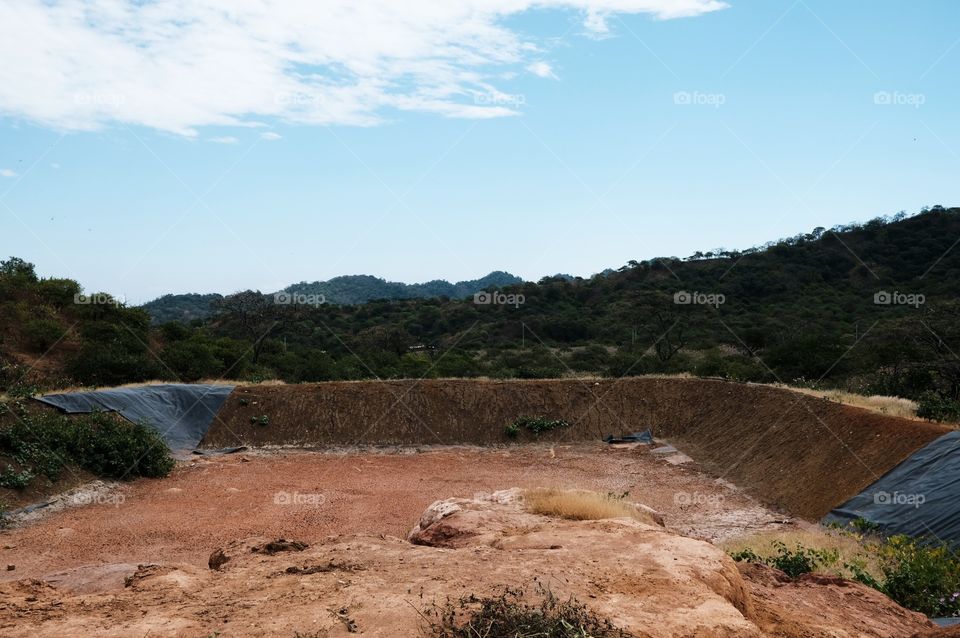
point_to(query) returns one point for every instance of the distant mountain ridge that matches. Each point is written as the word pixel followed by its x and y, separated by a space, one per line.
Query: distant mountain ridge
pixel 358 289
pixel 343 290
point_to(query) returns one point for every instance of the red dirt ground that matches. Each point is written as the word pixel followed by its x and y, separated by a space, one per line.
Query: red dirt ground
pixel 216 500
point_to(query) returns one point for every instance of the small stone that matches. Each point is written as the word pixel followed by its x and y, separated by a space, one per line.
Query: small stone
pixel 217 559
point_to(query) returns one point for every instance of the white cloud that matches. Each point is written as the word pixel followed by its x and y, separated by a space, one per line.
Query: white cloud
pixel 542 69
pixel 270 136
pixel 596 24
pixel 183 64
pixel 6 172
pixel 225 139
pixel 55 166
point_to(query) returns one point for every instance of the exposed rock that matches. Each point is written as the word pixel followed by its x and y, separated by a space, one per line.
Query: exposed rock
pixel 217 559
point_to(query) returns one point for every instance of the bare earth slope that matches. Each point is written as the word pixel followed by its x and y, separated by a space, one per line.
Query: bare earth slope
pixel 802 453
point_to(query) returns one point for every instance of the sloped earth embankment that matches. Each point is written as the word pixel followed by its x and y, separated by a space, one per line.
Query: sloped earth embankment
pixel 798 452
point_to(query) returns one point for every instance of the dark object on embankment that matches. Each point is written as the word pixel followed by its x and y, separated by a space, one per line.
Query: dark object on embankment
pixel 795 451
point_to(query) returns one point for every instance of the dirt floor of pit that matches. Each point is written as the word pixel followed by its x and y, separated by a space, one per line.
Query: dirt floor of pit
pixel 801 453
pixel 305 495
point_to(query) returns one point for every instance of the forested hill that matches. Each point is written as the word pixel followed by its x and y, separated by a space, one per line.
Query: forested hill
pixel 184 308
pixel 868 307
pixel 348 289
pixel 357 289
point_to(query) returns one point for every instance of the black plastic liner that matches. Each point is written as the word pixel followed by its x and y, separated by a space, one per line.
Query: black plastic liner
pixel 180 412
pixel 919 497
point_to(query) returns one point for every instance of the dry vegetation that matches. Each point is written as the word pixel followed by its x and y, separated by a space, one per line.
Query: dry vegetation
pixel 894 406
pixel 583 505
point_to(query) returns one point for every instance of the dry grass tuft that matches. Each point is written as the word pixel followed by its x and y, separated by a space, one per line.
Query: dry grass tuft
pixel 893 406
pixel 583 505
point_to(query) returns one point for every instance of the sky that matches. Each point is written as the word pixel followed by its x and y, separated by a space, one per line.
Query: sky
pixel 218 145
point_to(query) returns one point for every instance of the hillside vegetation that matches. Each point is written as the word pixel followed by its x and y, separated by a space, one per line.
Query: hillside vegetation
pixel 869 308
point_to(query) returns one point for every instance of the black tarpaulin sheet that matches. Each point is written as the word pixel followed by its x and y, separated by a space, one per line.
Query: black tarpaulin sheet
pixel 180 412
pixel 919 497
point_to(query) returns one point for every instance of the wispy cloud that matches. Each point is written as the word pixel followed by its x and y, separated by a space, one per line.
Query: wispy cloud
pixel 6 172
pixel 184 64
pixel 542 69
pixel 270 136
pixel 224 139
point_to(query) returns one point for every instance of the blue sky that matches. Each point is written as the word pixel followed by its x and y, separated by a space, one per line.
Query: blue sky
pixel 570 138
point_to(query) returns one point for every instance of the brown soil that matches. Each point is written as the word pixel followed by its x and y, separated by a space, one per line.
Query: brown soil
pixel 641 577
pixel 798 452
pixel 216 500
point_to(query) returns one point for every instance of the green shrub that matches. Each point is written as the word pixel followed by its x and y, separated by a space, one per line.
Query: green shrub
pixel 508 616
pixel 793 562
pixel 14 480
pixel 101 443
pixel 921 575
pixel 535 425
pixel 937 408
pixel 41 333
pixel 113 448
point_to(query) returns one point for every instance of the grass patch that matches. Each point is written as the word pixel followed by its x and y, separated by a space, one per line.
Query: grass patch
pixel 583 505
pixel 509 615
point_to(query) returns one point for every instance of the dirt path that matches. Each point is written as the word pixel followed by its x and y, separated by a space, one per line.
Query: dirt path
pixel 212 501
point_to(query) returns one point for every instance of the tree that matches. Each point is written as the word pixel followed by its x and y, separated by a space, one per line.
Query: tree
pixel 254 314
